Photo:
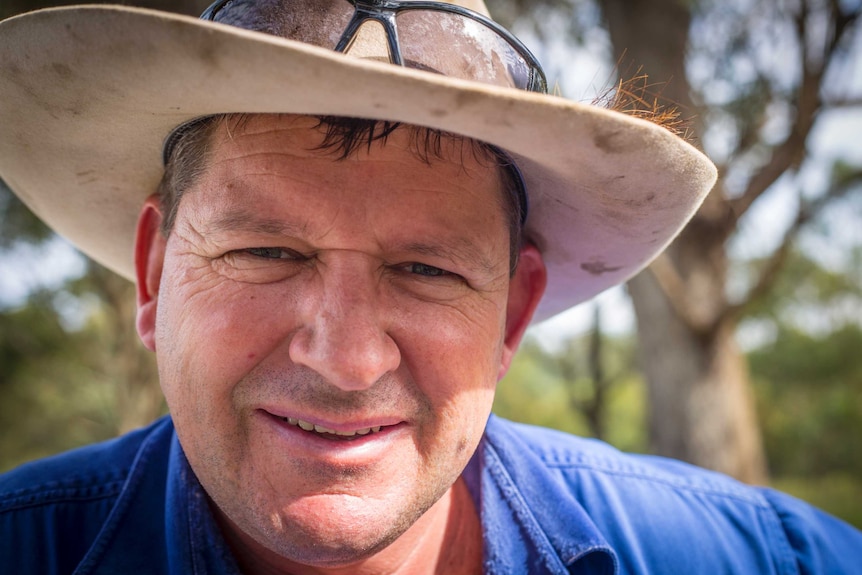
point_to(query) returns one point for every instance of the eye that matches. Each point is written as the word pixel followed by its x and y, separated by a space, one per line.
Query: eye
pixel 427 282
pixel 272 253
pixel 260 265
pixel 426 270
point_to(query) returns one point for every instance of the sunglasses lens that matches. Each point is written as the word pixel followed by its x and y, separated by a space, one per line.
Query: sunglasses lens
pixel 319 23
pixel 430 39
pixel 461 47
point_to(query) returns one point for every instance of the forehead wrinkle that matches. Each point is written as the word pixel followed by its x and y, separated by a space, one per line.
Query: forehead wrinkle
pixel 275 156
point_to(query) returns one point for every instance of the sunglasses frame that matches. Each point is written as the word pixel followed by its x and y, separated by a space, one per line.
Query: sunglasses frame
pixel 384 12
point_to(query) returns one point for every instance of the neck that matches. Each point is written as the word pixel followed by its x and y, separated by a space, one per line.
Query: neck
pixel 447 539
pixel 460 550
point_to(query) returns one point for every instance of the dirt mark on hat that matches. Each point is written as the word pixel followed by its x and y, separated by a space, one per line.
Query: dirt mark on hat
pixel 62 70
pixel 613 142
pixel 598 267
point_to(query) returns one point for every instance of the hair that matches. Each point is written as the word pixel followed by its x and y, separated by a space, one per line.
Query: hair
pixel 187 153
pixel 639 97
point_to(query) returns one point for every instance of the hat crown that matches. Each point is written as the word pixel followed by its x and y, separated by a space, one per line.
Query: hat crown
pixel 271 16
pixel 455 39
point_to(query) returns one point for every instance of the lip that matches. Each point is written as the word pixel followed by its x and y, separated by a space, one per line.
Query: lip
pixel 340 426
pixel 355 451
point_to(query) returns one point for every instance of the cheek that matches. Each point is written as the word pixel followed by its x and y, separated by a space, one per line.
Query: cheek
pixel 455 363
pixel 210 335
pixel 463 341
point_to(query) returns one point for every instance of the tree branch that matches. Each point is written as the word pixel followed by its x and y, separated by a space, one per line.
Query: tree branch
pixel 788 153
pixel 775 263
pixel 674 288
pixel 842 104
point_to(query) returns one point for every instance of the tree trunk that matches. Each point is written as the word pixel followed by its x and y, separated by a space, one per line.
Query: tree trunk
pixel 701 405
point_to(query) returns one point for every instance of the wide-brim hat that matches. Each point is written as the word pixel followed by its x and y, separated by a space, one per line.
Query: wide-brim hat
pixel 89 94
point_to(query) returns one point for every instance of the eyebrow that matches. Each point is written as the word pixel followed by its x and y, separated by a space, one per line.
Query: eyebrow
pixel 243 221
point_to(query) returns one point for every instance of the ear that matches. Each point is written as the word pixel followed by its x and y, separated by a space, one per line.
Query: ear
pixel 525 290
pixel 149 258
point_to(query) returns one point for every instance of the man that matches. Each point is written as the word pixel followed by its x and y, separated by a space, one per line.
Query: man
pixel 332 300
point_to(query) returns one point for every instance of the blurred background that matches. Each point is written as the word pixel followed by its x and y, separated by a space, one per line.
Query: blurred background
pixel 739 350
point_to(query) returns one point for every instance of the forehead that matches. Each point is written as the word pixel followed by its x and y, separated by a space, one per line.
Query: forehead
pixel 372 152
pixel 337 138
pixel 286 165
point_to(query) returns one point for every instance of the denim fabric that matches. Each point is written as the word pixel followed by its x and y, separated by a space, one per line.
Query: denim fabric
pixel 553 503
pixel 549 503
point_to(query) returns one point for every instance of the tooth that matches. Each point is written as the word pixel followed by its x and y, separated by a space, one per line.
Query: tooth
pixel 305 425
pixel 320 429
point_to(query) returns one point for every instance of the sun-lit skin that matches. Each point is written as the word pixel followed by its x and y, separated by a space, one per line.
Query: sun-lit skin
pixel 372 291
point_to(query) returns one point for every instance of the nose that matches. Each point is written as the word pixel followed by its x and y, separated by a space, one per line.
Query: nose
pixel 343 335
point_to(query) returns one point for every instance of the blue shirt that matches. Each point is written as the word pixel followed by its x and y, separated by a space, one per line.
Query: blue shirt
pixel 549 503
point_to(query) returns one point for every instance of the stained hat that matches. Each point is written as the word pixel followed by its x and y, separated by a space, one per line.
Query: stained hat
pixel 89 94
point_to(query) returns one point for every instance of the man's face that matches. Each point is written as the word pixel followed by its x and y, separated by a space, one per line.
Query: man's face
pixel 366 297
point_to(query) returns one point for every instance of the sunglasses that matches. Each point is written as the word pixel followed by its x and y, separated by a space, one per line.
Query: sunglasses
pixel 432 36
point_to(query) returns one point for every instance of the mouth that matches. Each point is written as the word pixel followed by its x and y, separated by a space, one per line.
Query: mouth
pixel 332 434
pixel 356 441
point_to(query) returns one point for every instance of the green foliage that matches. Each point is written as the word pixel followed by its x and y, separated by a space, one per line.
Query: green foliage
pixel 839 494
pixel 50 400
pixel 808 377
pixel 531 394
pixel 553 389
pixel 17 223
pixel 809 391
pixel 627 415
pixel 64 384
pixel 804 282
pixel 808 383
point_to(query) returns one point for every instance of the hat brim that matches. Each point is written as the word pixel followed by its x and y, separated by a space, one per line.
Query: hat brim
pixel 88 95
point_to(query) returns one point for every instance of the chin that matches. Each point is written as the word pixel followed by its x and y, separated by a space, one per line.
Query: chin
pixel 338 539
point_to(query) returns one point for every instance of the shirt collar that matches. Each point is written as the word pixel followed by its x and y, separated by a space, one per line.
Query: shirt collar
pixel 530 520
pixel 179 537
pixel 200 548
